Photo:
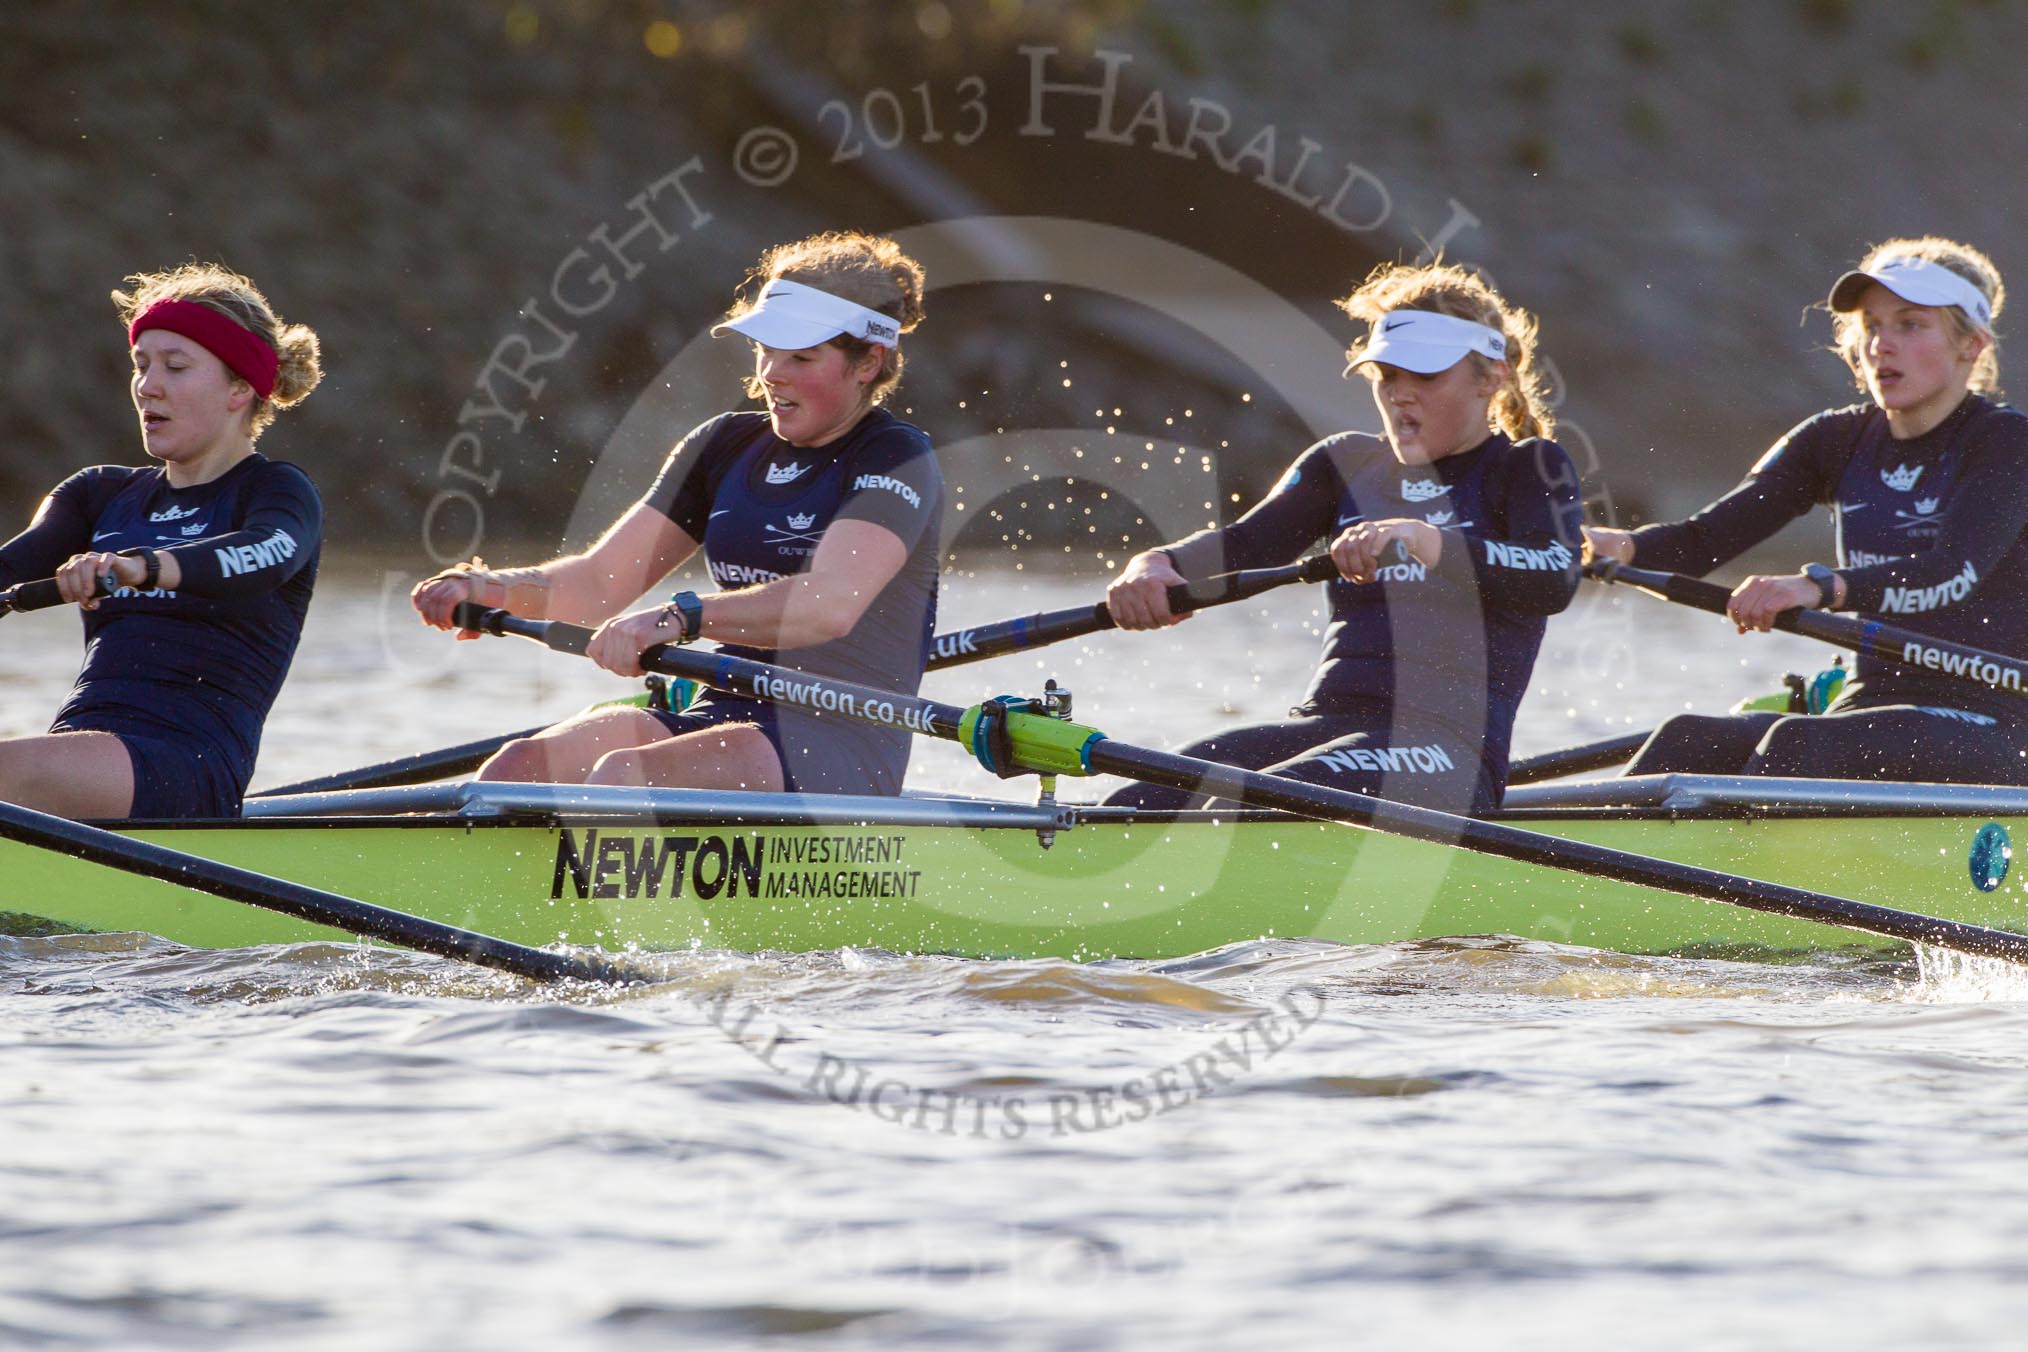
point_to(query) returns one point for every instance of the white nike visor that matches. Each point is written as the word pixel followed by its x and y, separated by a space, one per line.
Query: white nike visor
pixel 1919 282
pixel 792 316
pixel 1425 342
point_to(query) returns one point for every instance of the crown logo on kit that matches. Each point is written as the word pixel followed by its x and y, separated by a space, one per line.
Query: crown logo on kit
pixel 781 474
pixel 1439 518
pixel 1901 478
pixel 1925 506
pixel 1421 490
pixel 802 521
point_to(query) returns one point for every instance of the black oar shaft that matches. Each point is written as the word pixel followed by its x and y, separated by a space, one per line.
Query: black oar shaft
pixel 961 646
pixel 149 860
pixel 1869 638
pixel 934 719
pixel 1575 760
pixel 425 768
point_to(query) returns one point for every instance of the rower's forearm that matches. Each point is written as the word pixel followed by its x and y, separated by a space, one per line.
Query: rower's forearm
pixel 575 588
pixel 790 612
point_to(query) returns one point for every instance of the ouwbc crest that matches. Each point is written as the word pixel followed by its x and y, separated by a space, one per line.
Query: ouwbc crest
pixel 1902 477
pixel 1421 490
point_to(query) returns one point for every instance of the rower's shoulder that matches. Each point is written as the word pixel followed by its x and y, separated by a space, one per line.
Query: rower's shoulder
pixel 730 431
pixel 1351 452
pixel 95 486
pixel 1988 412
pixel 887 441
pixel 286 475
pixel 115 476
pixel 1840 424
pixel 1530 449
pixel 723 434
pixel 883 428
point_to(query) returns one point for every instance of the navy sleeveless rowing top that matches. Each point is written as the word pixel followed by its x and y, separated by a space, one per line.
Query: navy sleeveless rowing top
pixel 760 507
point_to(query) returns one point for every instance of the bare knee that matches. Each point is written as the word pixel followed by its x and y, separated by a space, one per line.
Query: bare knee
pixel 520 761
pixel 617 767
pixel 736 756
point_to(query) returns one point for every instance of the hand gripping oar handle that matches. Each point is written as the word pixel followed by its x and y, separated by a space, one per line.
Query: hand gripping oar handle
pixel 1053 626
pixel 37 595
pixel 307 903
pixel 1039 742
pixel 1869 638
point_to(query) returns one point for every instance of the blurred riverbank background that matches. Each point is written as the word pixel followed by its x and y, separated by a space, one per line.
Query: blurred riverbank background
pixel 513 224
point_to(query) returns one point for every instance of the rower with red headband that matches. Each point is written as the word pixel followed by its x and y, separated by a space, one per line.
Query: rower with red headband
pixel 193 572
pixel 1926 489
pixel 819 518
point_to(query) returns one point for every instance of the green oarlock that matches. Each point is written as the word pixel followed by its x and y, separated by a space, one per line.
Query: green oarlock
pixel 1009 738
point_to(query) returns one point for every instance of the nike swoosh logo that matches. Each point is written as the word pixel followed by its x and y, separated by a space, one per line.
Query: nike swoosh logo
pixel 1391 325
pixel 717 514
pixel 1350 520
pixel 1848 508
pixel 104 535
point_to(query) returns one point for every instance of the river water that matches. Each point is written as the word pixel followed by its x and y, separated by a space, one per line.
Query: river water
pixel 1463 1143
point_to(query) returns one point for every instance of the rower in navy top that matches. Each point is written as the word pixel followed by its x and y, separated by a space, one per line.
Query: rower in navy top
pixel 193 573
pixel 1425 661
pixel 819 519
pixel 1928 487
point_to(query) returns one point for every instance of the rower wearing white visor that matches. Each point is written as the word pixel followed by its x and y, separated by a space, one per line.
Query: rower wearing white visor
pixel 818 518
pixel 1926 487
pixel 1426 657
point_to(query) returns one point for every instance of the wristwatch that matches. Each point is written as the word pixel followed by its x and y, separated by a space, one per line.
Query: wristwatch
pixel 1827 584
pixel 151 563
pixel 690 611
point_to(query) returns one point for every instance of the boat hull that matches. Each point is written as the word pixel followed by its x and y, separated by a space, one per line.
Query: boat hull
pixel 1104 889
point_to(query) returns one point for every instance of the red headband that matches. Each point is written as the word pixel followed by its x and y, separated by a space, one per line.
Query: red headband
pixel 244 352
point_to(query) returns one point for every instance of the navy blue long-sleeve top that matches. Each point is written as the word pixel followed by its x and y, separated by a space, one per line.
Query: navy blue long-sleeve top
pixel 1453 644
pixel 1929 532
pixel 202 663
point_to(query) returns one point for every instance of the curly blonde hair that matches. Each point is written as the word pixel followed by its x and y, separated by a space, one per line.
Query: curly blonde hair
pixel 239 300
pixel 869 270
pixel 1520 406
pixel 1966 262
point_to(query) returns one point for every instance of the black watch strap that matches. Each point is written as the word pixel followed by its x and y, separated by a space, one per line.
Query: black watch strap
pixel 1827 584
pixel 151 561
pixel 690 611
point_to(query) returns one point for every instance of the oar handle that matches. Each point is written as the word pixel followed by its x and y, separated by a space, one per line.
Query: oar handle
pixel 38 595
pixel 1869 638
pixel 956 648
pixel 564 638
pixel 1698 594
